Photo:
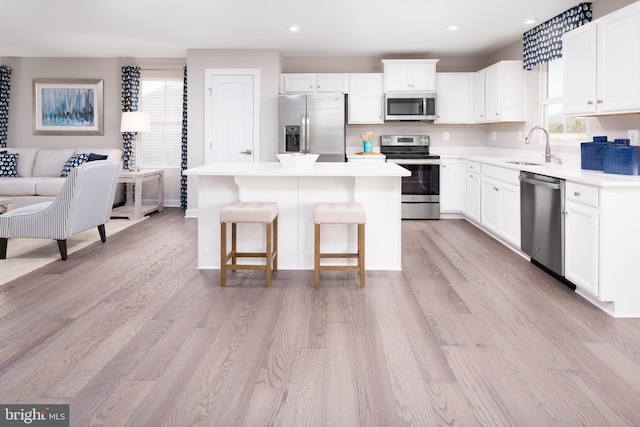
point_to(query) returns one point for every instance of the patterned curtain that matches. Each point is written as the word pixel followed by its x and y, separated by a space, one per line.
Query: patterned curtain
pixel 130 92
pixel 544 42
pixel 5 91
pixel 183 178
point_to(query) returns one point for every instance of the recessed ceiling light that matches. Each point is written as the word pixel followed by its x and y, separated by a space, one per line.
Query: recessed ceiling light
pixel 530 21
pixel 294 28
pixel 452 27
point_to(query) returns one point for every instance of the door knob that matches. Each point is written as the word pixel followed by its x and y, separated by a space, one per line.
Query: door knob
pixel 247 152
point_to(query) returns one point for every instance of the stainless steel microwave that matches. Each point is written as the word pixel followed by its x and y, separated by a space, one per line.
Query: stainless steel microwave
pixel 410 106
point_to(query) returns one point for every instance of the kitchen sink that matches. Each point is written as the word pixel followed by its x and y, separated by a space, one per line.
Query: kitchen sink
pixel 514 162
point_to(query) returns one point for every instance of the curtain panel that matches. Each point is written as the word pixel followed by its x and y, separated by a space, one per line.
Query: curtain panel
pixel 544 42
pixel 183 164
pixel 5 91
pixel 129 97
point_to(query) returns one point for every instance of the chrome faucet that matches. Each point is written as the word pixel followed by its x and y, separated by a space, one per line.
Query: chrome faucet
pixel 547 148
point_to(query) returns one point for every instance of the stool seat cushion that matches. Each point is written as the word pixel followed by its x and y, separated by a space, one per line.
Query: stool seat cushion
pixel 249 212
pixel 339 213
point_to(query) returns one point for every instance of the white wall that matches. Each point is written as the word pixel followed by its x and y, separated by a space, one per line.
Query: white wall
pixel 269 63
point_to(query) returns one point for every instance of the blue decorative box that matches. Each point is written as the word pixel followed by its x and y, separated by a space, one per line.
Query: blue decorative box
pixel 592 155
pixel 622 159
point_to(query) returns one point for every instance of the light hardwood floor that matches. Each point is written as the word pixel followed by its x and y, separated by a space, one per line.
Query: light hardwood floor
pixel 469 333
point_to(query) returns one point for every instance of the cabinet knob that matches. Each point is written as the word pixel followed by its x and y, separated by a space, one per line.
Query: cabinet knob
pixel 589 102
pixel 599 101
pixel 576 193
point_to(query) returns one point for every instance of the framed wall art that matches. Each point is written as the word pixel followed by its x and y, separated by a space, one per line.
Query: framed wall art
pixel 68 107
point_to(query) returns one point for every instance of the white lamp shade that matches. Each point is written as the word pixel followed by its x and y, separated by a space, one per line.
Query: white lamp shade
pixel 135 121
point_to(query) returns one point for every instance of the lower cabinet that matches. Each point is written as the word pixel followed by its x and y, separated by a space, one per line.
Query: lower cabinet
pixel 581 237
pixel 472 207
pixel 500 203
pixel 451 186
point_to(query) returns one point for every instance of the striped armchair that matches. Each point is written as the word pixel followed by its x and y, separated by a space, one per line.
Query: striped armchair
pixel 85 201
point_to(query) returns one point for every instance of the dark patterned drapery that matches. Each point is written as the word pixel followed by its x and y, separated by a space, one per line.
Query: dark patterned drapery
pixel 5 91
pixel 544 42
pixel 183 164
pixel 130 93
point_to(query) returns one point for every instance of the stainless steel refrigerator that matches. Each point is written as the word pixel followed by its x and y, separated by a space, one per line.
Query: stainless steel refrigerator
pixel 313 123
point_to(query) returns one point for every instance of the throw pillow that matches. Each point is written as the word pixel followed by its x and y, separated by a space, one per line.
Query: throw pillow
pixel 73 162
pixel 94 157
pixel 9 165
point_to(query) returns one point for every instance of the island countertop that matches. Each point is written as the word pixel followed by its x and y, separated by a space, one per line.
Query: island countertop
pixel 276 169
pixel 376 185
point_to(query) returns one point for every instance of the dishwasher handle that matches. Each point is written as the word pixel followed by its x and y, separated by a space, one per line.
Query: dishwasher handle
pixel 541 183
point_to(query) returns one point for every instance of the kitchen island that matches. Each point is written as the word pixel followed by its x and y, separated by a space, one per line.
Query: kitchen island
pixel 296 190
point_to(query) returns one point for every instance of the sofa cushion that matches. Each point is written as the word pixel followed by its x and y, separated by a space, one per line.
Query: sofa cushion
pixel 9 165
pixel 49 187
pixel 26 160
pixel 73 162
pixel 20 186
pixel 50 162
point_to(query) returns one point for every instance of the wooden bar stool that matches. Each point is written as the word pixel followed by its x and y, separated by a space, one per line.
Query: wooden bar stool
pixel 249 212
pixel 339 213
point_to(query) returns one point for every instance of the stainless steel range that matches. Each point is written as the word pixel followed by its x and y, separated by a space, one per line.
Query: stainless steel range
pixel 421 190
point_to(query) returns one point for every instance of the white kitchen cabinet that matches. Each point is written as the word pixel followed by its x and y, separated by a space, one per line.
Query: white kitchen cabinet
pixel 365 98
pixel 500 203
pixel 454 102
pixel 505 92
pixel 451 186
pixel 499 93
pixel 479 113
pixel 601 63
pixel 581 236
pixel 579 70
pixel 311 83
pixel 473 180
pixel 409 75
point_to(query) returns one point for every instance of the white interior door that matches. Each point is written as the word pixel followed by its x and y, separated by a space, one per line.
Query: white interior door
pixel 231 116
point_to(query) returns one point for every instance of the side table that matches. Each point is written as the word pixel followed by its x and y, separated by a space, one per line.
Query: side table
pixel 5 205
pixel 133 208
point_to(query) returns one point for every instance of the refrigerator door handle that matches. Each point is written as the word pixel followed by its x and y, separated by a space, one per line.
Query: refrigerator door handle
pixel 307 142
pixel 303 131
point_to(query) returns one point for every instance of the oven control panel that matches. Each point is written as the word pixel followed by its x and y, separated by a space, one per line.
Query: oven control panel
pixel 404 140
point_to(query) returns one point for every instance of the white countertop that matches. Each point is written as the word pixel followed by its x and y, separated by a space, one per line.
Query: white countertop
pixel 570 172
pixel 317 169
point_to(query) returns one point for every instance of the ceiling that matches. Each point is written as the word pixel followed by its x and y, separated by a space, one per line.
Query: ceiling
pixel 167 28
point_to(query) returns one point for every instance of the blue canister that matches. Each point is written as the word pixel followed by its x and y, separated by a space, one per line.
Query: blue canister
pixel 368 147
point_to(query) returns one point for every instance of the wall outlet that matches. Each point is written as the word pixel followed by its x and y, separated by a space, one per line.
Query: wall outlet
pixel 633 136
pixel 494 136
pixel 520 136
pixel 445 136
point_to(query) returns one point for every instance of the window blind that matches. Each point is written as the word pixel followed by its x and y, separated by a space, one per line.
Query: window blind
pixel 162 99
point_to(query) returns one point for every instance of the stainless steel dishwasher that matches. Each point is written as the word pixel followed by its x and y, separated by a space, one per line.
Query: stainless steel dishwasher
pixel 542 220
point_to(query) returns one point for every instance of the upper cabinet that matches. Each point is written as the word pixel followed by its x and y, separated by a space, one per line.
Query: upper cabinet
pixel 365 98
pixel 601 63
pixel 409 75
pixel 499 93
pixel 454 98
pixel 310 83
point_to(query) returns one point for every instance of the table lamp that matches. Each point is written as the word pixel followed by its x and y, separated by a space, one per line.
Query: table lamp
pixel 136 122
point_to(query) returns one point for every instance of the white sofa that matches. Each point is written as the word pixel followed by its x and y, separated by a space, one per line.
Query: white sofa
pixel 39 172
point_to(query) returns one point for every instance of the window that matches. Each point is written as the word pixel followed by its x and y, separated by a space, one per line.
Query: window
pixel 560 128
pixel 161 97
